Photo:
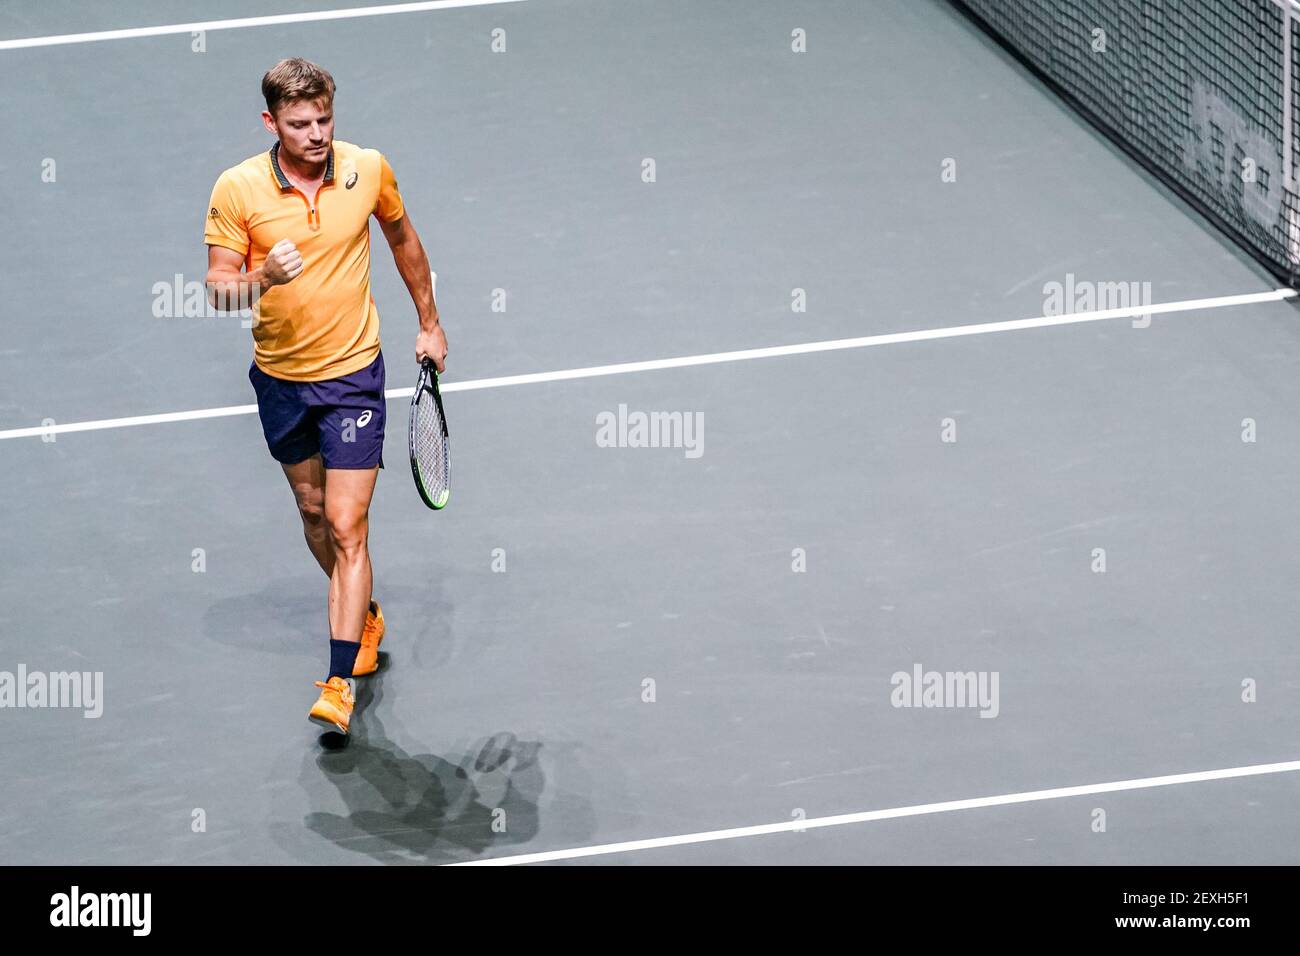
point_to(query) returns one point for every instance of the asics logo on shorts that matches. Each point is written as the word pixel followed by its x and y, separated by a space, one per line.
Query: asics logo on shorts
pixel 364 419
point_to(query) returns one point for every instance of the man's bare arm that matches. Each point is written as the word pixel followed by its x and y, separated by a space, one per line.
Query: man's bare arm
pixel 231 289
pixel 413 264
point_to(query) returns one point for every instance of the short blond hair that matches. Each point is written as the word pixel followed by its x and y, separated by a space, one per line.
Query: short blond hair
pixel 296 79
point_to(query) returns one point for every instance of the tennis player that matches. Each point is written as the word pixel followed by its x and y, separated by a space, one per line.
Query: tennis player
pixel 288 232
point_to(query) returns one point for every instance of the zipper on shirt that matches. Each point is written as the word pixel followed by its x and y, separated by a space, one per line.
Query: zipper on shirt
pixel 313 207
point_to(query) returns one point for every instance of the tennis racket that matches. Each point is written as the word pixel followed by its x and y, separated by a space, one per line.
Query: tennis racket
pixel 430 451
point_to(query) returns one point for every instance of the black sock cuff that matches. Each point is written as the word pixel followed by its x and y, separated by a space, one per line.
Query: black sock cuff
pixel 343 657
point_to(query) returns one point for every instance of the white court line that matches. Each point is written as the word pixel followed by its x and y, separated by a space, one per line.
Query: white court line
pixel 312 16
pixel 1005 799
pixel 712 358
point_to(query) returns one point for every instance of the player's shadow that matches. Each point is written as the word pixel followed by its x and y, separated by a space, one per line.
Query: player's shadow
pixel 422 808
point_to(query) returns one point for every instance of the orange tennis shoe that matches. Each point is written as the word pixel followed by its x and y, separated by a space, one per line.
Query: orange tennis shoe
pixel 333 709
pixel 372 634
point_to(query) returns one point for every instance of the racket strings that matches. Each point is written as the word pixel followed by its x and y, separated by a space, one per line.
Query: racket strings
pixel 431 446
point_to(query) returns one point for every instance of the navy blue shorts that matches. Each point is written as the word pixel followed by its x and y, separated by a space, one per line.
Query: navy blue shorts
pixel 342 418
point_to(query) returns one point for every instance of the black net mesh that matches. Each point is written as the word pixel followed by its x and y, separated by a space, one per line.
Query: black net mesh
pixel 1196 90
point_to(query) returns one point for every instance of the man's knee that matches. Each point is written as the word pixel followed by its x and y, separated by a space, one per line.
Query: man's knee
pixel 349 530
pixel 311 506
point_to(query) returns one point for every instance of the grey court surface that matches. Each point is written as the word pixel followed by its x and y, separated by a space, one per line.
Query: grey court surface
pixel 509 718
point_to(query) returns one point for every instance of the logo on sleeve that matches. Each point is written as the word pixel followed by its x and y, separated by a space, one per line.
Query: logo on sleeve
pixel 212 213
pixel 352 181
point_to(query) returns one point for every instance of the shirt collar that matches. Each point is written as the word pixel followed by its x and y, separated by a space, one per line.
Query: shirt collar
pixel 284 180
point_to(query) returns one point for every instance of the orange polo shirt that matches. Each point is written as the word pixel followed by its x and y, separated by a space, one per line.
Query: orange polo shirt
pixel 324 323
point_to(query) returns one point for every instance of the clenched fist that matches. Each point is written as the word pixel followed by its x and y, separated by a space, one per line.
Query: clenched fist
pixel 283 263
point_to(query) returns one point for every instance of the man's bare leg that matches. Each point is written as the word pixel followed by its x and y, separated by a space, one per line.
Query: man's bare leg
pixel 347 516
pixel 335 505
pixel 307 479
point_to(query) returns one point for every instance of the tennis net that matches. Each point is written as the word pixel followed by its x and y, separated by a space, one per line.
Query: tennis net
pixel 1204 93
